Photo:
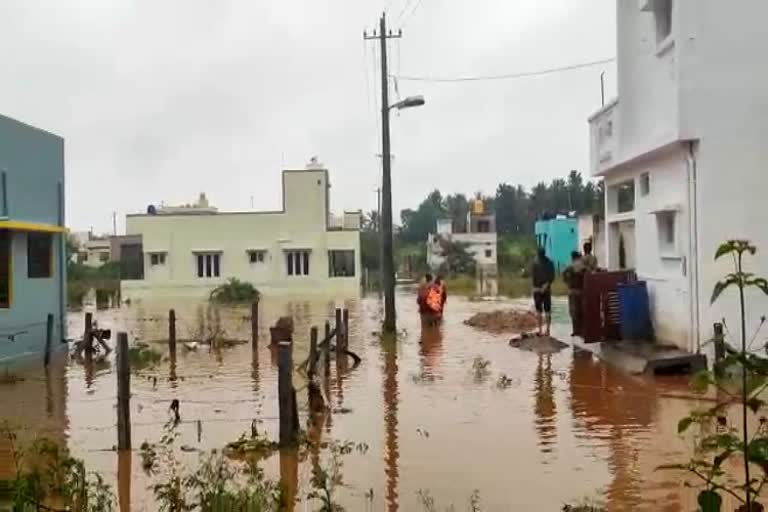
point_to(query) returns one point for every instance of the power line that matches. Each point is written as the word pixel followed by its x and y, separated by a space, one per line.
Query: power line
pixel 413 11
pixel 506 76
pixel 402 12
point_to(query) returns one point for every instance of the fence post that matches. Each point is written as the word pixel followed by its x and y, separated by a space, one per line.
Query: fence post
pixel 719 340
pixel 48 339
pixel 339 334
pixel 312 369
pixel 172 332
pixel 123 393
pixel 88 337
pixel 327 350
pixel 345 321
pixel 286 393
pixel 255 324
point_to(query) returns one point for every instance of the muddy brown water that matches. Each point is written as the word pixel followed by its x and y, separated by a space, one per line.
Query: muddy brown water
pixel 565 428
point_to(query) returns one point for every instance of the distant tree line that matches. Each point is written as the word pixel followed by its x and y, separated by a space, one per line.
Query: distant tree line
pixel 516 208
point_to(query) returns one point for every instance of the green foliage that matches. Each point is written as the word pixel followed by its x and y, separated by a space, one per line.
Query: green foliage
pixel 235 291
pixel 742 378
pixel 47 477
pixel 457 259
pixel 325 480
pixel 142 356
pixel 427 502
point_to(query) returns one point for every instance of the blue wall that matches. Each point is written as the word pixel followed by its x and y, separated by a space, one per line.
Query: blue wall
pixel 33 162
pixel 559 237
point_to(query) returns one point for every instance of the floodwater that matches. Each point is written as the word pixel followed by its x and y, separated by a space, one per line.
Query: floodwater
pixel 566 428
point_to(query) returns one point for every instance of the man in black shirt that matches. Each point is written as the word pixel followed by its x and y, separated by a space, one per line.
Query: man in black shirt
pixel 543 274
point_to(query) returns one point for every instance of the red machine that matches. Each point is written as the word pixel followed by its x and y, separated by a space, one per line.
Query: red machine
pixel 600 306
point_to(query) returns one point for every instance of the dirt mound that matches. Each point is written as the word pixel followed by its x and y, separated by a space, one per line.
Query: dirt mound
pixel 510 320
pixel 537 344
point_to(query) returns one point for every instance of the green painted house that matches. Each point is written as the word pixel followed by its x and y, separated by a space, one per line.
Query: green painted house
pixel 32 240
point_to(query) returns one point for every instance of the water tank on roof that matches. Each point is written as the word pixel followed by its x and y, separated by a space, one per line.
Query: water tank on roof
pixel 151 210
pixel 478 208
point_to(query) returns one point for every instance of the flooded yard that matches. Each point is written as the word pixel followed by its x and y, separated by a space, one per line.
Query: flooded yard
pixel 531 432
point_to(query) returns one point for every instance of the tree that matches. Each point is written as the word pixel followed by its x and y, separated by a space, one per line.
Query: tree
pixel 418 224
pixel 512 210
pixel 458 260
pixel 456 206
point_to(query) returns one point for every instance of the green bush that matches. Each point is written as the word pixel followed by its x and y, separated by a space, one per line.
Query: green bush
pixel 235 291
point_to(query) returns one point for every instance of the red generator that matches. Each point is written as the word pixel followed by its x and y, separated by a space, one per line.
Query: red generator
pixel 600 305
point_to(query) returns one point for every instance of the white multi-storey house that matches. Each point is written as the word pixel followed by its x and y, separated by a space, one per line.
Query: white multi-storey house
pixel 301 248
pixel 683 151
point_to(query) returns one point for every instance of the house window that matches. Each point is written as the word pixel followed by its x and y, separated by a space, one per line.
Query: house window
pixel 257 256
pixel 488 253
pixel 341 263
pixel 5 269
pixel 483 226
pixel 208 264
pixel 625 197
pixel 645 184
pixel 39 255
pixel 103 257
pixel 157 258
pixel 662 12
pixel 297 263
pixel 667 232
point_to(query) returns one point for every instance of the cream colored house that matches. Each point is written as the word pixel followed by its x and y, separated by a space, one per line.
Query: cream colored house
pixel 300 249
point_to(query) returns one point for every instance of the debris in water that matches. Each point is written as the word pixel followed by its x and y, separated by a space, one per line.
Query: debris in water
pixel 505 382
pixel 511 320
pixel 537 344
pixel 481 368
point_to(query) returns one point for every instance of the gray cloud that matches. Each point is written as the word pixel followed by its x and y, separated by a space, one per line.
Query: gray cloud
pixel 162 100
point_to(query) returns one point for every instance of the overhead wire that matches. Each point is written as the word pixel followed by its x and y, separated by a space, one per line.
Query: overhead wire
pixel 405 20
pixel 506 76
pixel 402 12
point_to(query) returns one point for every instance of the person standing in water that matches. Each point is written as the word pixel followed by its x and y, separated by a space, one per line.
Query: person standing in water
pixel 573 275
pixel 421 294
pixel 588 260
pixel 543 275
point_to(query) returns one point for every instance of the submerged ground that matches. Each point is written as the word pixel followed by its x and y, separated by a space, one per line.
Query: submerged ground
pixel 560 428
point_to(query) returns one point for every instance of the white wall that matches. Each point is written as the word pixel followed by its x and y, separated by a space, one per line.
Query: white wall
pixel 724 101
pixel 647 81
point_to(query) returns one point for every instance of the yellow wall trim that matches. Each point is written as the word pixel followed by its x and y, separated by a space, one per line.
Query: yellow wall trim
pixel 16 225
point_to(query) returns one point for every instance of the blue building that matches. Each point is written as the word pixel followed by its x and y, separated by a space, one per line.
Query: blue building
pixel 32 240
pixel 559 237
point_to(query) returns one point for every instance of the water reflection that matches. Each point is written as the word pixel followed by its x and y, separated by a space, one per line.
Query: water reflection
pixel 124 477
pixel 391 404
pixel 431 349
pixel 544 408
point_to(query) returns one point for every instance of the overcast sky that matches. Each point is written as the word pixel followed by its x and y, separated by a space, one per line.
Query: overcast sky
pixel 159 100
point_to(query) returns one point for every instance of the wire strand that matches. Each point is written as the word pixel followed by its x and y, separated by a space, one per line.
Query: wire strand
pixel 506 76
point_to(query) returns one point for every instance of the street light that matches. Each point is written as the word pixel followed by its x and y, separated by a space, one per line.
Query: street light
pixel 410 101
pixel 388 262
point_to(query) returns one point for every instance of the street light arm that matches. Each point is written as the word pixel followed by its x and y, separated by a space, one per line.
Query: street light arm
pixel 409 102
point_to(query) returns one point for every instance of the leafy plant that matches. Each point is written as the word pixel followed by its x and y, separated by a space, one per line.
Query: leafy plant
pixel 141 356
pixel 235 291
pixel 47 477
pixel 741 377
pixel 325 481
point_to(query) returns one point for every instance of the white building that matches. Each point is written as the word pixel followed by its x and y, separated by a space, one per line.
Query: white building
pixel 300 248
pixel 92 251
pixel 684 156
pixel 479 237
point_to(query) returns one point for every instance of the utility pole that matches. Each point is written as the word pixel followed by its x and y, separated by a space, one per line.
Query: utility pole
pixel 114 223
pixel 388 262
pixel 381 248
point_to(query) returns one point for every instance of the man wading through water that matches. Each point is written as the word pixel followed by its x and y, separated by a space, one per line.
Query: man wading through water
pixel 573 275
pixel 543 274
